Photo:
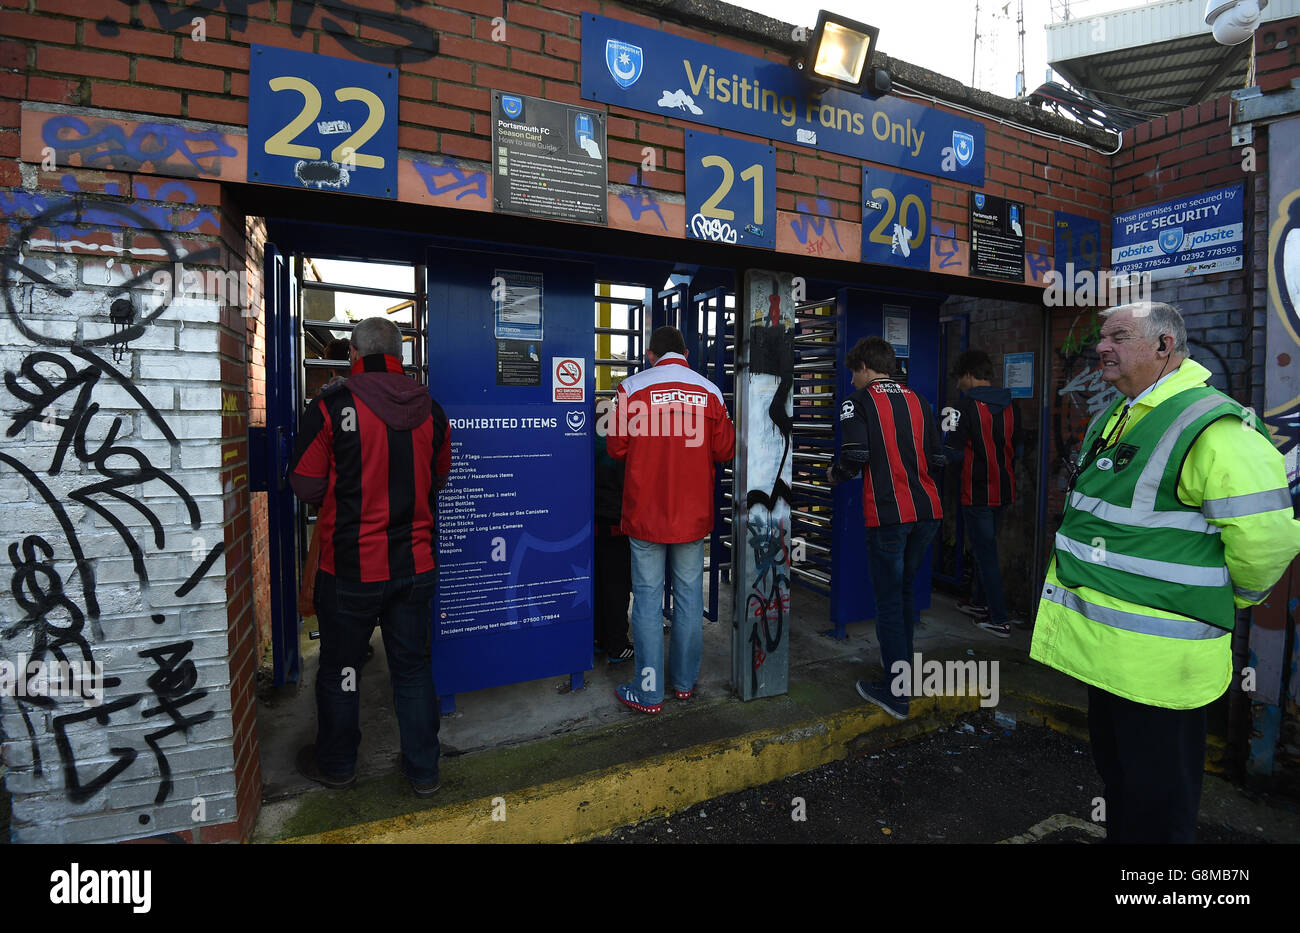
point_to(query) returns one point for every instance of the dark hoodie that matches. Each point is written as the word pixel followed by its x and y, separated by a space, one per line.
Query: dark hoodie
pixel 990 478
pixel 399 400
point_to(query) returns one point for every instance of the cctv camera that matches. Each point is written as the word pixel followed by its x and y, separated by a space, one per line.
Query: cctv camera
pixel 1233 21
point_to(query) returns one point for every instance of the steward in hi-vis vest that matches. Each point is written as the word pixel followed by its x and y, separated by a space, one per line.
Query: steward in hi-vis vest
pixel 1177 515
pixel 1180 520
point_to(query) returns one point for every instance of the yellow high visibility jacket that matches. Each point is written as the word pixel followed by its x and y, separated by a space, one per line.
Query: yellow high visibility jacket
pixel 1236 477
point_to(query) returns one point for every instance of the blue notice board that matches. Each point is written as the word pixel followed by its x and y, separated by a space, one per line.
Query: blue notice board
pixel 1195 235
pixel 631 66
pixel 895 219
pixel 1018 374
pixel 515 532
pixel 730 190
pixel 1078 243
pixel 320 122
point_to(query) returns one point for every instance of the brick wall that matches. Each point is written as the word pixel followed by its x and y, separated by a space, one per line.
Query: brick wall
pixel 119 511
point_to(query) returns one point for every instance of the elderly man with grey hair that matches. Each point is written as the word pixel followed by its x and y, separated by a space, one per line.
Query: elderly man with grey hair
pixel 373 451
pixel 1177 515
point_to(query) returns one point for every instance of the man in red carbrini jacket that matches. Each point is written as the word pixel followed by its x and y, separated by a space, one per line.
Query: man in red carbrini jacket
pixel 670 425
pixel 374 450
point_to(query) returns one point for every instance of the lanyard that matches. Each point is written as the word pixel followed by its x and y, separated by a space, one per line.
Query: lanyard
pixel 1098 445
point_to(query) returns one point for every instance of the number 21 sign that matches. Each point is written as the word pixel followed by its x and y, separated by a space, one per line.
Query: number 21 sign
pixel 730 190
pixel 320 122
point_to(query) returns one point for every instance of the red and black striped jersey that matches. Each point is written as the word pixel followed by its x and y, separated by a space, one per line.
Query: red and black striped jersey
pixel 374 451
pixel 891 430
pixel 986 435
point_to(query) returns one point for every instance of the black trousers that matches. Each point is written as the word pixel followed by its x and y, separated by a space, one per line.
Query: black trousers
pixel 1151 760
pixel 612 588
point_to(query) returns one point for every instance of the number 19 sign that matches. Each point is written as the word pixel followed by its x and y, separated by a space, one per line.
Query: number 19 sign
pixel 320 122
pixel 730 190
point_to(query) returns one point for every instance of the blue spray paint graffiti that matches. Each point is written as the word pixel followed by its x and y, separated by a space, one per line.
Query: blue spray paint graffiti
pixel 154 143
pixel 945 244
pixel 469 183
pixel 814 219
pixel 641 202
pixel 16 204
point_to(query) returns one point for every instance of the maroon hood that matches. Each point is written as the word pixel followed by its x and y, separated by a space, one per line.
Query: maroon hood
pixel 400 401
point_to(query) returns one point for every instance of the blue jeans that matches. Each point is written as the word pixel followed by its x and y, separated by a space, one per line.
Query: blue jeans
pixel 894 556
pixel 686 644
pixel 348 611
pixel 982 524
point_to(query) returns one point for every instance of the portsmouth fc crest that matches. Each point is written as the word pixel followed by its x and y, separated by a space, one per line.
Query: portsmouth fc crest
pixel 963 146
pixel 624 61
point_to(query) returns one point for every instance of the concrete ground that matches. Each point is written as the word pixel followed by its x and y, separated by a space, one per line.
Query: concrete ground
pixel 537 762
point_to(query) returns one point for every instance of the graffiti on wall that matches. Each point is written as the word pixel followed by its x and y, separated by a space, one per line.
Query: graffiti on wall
pixel 409 39
pixel 1282 372
pixel 768 473
pixel 89 471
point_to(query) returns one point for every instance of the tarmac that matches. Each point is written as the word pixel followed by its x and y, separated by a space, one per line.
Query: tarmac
pixel 537 762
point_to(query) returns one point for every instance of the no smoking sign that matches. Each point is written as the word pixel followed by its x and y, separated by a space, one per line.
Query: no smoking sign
pixel 568 379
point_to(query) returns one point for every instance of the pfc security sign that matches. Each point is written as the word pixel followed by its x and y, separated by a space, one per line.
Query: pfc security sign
pixel 654 72
pixel 320 122
pixel 730 190
pixel 1190 236
pixel 548 158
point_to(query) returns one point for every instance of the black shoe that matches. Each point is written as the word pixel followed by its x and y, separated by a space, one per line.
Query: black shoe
pixel 880 695
pixel 308 767
pixel 972 608
pixel 420 788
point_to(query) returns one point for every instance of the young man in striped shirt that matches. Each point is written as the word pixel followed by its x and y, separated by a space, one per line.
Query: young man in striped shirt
pixel 373 451
pixel 888 433
pixel 983 433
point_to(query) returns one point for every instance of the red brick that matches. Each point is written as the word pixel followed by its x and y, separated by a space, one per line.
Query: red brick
pixel 430 115
pixel 466 147
pixel 470 98
pixel 279 36
pixel 9 177
pixel 628 16
pixel 13 55
pixel 135 98
pixel 217 109
pixel 541 65
pixel 187 77
pixel 667 136
pixel 226 832
pixel 441 67
pixel 136 41
pixel 83 64
pixel 784 201
pixel 239 84
pixel 414 87
pixel 507 81
pixel 482 7
pixel 564 48
pixel 547 20
pixel 53 90
pixel 230 57
pixel 801 183
pixel 44 28
pixel 475 50
pixel 411 137
pixel 564 91
pixel 805 165
pixel 442 21
pixel 13 86
pixel 516 37
pixel 838 191
pixel 620 127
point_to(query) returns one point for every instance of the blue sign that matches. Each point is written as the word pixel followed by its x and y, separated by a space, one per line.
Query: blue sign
pixel 644 69
pixel 514 551
pixel 1018 374
pixel 321 122
pixel 730 190
pixel 895 219
pixel 1195 235
pixel 1078 243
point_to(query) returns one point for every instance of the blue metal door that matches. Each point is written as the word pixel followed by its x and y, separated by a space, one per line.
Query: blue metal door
pixel 282 408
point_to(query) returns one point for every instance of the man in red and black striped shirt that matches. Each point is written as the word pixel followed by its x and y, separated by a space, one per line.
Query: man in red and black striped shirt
pixel 983 432
pixel 373 451
pixel 889 429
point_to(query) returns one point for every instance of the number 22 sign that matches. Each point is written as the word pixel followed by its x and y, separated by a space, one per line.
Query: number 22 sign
pixel 315 121
pixel 730 190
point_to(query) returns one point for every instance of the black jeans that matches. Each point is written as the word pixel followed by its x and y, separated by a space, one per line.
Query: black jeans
pixel 348 611
pixel 613 589
pixel 1151 760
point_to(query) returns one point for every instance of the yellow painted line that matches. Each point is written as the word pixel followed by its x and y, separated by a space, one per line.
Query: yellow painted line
pixel 578 808
pixel 1054 823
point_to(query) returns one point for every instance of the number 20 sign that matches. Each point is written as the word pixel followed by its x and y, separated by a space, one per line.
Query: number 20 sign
pixel 730 190
pixel 315 121
pixel 895 219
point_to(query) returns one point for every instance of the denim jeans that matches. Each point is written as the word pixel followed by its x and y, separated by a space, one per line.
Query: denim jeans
pixel 348 611
pixel 686 643
pixel 894 555
pixel 982 524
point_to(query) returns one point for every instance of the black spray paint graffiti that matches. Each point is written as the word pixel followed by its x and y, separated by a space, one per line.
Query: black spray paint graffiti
pixel 54 619
pixel 421 41
pixel 771 352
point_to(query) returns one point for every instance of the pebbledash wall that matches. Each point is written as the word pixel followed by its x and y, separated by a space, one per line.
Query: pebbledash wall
pixel 128 526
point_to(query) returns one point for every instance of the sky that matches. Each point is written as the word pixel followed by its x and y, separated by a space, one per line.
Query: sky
pixel 948 49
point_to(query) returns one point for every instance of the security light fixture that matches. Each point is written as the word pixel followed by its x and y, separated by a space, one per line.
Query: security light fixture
pixel 1233 21
pixel 839 52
